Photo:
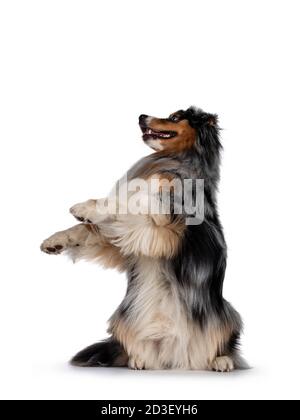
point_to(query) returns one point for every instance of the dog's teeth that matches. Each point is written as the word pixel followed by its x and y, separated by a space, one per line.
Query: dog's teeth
pixel 150 132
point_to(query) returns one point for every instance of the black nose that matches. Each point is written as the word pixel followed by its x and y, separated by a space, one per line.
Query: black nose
pixel 142 118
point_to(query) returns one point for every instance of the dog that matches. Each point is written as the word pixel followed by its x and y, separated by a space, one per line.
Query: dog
pixel 173 315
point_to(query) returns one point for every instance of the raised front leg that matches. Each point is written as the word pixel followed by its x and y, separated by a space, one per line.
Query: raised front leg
pixel 73 237
pixel 84 212
pixel 85 242
pixel 154 235
pixel 91 211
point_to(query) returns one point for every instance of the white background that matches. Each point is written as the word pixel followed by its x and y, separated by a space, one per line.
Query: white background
pixel 74 76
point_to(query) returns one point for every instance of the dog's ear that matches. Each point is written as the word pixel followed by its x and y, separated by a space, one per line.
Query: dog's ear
pixel 200 119
pixel 212 120
pixel 207 128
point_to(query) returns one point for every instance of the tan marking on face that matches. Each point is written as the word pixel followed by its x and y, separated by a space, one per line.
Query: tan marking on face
pixel 185 138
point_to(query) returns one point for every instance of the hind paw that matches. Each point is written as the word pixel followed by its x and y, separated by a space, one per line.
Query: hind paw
pixel 136 363
pixel 223 364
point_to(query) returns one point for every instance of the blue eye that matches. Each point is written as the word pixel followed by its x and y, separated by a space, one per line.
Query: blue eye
pixel 174 118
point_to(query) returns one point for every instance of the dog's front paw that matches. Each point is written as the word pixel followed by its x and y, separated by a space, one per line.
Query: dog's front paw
pixel 223 364
pixel 55 244
pixel 84 212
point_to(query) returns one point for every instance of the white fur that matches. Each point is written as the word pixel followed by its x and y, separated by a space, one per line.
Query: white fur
pixel 157 333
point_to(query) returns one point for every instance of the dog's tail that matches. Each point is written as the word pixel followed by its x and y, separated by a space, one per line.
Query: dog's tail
pixel 105 353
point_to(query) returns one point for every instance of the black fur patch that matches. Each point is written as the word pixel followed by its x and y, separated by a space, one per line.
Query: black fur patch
pixel 102 354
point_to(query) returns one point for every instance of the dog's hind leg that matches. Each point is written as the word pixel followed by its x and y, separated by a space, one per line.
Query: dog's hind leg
pixel 223 364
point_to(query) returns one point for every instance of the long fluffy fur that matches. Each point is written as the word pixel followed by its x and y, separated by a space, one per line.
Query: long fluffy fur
pixel 173 314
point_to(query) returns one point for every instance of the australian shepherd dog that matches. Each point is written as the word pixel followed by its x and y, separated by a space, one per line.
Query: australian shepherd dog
pixel 173 315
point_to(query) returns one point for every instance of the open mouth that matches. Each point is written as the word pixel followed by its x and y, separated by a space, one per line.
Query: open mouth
pixel 149 133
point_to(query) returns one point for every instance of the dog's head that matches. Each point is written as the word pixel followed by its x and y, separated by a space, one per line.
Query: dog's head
pixel 180 131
